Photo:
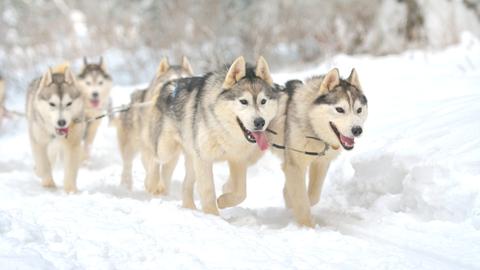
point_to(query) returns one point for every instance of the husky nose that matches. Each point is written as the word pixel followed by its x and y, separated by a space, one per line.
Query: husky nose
pixel 61 123
pixel 357 130
pixel 95 94
pixel 259 123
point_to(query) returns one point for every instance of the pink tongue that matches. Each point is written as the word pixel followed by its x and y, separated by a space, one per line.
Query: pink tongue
pixel 347 140
pixel 62 131
pixel 95 103
pixel 261 139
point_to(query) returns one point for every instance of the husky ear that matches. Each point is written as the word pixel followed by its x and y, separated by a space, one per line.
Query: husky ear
pixel 186 65
pixel 235 73
pixel 263 71
pixel 84 65
pixel 331 80
pixel 47 78
pixel 353 79
pixel 163 67
pixel 103 64
pixel 69 77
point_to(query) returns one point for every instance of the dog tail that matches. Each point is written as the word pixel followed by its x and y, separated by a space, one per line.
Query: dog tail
pixel 60 69
pixel 291 85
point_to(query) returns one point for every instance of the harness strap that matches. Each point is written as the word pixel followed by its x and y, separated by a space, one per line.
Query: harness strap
pixel 308 153
pixel 114 110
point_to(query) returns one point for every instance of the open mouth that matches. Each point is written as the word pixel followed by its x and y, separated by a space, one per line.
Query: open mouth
pixel 62 131
pixel 258 137
pixel 95 102
pixel 346 142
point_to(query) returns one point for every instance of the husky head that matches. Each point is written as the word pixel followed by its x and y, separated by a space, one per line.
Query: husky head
pixel 58 99
pixel 339 109
pixel 249 99
pixel 95 83
pixel 166 72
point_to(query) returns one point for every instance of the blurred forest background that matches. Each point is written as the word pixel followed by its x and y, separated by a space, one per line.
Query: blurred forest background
pixel 134 35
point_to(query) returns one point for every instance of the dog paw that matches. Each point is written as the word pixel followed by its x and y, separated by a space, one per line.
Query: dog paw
pixel 189 205
pixel 127 183
pixel 211 211
pixel 48 183
pixel 152 191
pixel 70 189
pixel 307 222
pixel 161 190
pixel 229 200
pixel 156 191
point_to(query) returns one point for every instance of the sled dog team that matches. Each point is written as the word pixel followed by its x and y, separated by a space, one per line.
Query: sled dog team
pixel 233 114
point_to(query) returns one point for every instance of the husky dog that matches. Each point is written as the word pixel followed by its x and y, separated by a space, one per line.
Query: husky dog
pixel 318 118
pixel 129 123
pixel 55 116
pixel 95 84
pixel 221 116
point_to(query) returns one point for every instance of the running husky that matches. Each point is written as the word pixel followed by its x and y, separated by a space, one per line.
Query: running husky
pixel 95 84
pixel 318 117
pixel 129 123
pixel 221 116
pixel 55 116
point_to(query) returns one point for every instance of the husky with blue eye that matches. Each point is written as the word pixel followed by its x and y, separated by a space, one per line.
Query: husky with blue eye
pixel 55 115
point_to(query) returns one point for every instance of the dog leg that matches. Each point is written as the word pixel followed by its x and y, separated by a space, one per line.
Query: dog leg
pixel 296 191
pixel 152 177
pixel 206 188
pixel 238 178
pixel 166 174
pixel 43 167
pixel 286 199
pixel 90 136
pixel 188 184
pixel 229 186
pixel 318 171
pixel 128 152
pixel 72 162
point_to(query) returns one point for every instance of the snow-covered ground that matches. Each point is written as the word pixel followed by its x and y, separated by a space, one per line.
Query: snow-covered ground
pixel 407 197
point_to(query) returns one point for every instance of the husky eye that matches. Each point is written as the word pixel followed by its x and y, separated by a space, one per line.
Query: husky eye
pixel 244 101
pixel 69 104
pixel 51 104
pixel 100 82
pixel 340 110
pixel 263 101
pixel 359 110
pixel 89 83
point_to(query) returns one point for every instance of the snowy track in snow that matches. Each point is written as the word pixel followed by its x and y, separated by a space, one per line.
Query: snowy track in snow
pixel 407 197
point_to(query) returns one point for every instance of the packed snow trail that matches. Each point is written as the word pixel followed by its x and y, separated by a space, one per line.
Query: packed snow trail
pixel 407 196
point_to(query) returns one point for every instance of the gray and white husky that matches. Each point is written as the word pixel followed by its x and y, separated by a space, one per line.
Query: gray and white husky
pixel 130 123
pixel 316 121
pixel 55 113
pixel 95 83
pixel 221 116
